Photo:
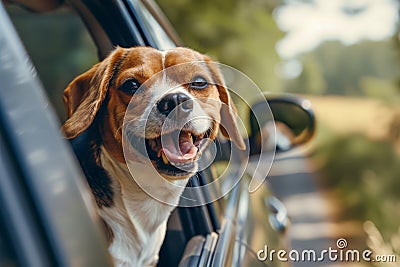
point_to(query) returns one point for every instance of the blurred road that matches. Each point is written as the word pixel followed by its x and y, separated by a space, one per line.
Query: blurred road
pixel 311 212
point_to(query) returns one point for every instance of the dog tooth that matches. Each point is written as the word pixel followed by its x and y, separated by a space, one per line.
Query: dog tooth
pixel 164 158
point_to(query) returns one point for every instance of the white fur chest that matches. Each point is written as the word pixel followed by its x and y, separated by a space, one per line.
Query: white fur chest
pixel 138 222
pixel 132 245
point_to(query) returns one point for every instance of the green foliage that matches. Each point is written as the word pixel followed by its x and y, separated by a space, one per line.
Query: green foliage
pixel 386 90
pixel 366 176
pixel 343 70
pixel 311 80
pixel 241 34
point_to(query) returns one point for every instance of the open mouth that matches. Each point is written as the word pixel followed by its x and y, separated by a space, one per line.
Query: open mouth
pixel 175 153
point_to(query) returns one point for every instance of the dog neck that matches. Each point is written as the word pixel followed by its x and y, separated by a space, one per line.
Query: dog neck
pixel 137 220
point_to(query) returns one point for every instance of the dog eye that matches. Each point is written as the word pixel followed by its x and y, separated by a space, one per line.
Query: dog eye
pixel 199 83
pixel 130 86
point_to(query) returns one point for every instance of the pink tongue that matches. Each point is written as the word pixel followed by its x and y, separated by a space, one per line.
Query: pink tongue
pixel 186 152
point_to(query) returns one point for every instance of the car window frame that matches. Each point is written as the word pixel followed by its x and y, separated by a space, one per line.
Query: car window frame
pixel 52 186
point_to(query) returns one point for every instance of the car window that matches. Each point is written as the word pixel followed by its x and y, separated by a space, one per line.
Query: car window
pixel 157 34
pixel 7 255
pixel 58 44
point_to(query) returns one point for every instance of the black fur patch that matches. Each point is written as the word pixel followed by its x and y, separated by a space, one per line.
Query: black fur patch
pixel 87 149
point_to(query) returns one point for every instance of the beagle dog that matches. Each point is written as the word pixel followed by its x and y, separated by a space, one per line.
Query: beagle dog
pixel 175 115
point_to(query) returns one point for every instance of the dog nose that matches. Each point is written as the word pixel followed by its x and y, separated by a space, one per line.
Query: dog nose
pixel 180 101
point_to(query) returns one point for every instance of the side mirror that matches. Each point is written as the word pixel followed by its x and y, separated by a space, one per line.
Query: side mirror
pixel 294 123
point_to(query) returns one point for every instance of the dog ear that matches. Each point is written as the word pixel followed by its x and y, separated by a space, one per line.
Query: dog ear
pixel 229 129
pixel 84 96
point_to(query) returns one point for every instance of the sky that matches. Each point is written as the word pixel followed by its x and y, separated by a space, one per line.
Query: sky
pixel 308 23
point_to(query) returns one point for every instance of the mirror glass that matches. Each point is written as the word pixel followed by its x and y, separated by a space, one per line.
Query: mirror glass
pixel 294 123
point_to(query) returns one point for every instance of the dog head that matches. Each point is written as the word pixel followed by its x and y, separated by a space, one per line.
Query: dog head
pixel 177 101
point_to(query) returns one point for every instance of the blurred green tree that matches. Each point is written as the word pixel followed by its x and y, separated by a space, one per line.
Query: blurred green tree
pixel 238 33
pixel 365 174
pixel 343 70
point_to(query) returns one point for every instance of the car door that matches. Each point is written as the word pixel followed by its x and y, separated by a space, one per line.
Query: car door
pixel 45 214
